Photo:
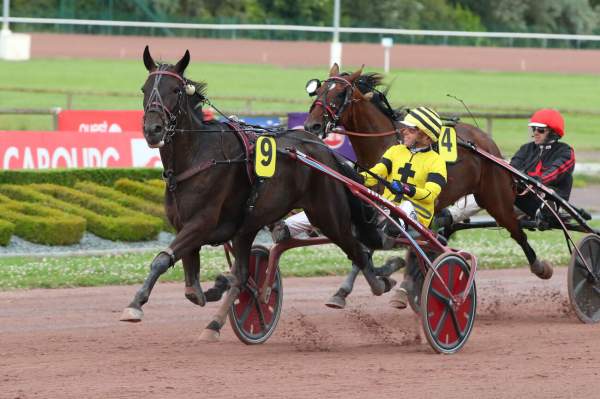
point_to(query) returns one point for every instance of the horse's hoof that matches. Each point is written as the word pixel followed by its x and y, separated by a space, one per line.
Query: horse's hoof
pixel 209 335
pixel 195 296
pixel 336 302
pixel 132 315
pixel 378 287
pixel 388 282
pixel 542 269
pixel 399 299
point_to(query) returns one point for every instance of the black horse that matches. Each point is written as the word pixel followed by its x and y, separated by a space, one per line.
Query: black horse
pixel 212 196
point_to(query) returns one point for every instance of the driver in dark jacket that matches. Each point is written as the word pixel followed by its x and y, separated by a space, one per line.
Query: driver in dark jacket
pixel 545 159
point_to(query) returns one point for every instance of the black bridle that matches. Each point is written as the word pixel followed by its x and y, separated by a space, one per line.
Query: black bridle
pixel 331 112
pixel 155 103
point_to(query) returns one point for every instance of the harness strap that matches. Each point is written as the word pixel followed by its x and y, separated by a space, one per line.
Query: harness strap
pixel 248 148
pixel 196 169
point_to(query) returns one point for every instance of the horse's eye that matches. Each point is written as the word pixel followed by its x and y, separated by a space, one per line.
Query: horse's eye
pixel 177 90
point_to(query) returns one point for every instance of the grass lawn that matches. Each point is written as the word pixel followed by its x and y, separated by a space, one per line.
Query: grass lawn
pixel 482 91
pixel 494 249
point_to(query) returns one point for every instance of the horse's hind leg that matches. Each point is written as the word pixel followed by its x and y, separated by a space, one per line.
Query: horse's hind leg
pixel 161 263
pixel 191 269
pixel 501 209
pixel 338 300
pixel 242 245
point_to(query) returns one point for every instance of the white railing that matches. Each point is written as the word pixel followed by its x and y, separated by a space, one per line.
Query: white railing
pixel 304 28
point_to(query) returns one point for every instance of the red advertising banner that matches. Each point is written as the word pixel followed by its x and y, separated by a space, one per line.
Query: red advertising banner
pixel 100 121
pixel 105 121
pixel 49 150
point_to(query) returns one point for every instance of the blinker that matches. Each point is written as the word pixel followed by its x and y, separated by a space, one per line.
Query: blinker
pixel 312 86
pixel 190 89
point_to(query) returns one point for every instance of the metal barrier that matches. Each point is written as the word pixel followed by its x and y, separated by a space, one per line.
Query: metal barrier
pixel 496 112
pixel 34 111
pixel 489 117
pixel 304 28
pixel 70 94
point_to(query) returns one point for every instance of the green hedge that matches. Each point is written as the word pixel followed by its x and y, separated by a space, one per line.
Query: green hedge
pixel 141 189
pixel 112 224
pixel 6 231
pixel 42 225
pixel 158 183
pixel 126 200
pixel 68 177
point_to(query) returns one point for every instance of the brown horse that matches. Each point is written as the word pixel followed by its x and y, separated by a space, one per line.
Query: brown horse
pixel 352 103
pixel 212 198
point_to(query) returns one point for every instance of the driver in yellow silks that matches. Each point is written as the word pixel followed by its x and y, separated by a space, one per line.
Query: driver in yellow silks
pixel 417 174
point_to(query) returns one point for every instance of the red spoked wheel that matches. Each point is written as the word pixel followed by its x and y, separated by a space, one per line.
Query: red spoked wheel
pixel 447 326
pixel 252 321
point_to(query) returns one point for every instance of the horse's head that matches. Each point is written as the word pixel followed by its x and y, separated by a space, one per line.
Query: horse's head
pixel 165 96
pixel 333 97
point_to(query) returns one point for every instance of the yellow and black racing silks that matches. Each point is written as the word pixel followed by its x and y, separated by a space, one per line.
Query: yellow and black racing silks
pixel 423 168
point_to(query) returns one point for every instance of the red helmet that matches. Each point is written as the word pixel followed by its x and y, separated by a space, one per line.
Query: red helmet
pixel 548 118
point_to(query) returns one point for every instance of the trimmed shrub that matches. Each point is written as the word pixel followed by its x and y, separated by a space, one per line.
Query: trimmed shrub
pixel 126 200
pixel 158 183
pixel 125 226
pixel 6 231
pixel 68 177
pixel 142 190
pixel 42 225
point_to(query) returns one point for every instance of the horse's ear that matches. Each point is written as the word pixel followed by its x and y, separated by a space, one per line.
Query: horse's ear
pixel 356 74
pixel 148 61
pixel 183 63
pixel 335 70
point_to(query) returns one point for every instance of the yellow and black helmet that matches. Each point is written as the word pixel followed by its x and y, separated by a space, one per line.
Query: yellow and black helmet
pixel 426 120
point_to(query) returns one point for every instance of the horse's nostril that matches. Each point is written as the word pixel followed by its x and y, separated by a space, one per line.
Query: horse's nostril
pixel 157 128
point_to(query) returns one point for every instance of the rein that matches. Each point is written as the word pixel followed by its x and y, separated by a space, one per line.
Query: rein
pixel 342 130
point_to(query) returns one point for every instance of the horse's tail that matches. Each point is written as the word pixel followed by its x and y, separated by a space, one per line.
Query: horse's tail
pixel 364 217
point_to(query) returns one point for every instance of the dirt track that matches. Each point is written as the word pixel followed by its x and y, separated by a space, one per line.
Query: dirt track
pixel 68 344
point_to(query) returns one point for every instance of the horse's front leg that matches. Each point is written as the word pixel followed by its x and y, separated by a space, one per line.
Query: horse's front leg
pixel 242 245
pixel 186 240
pixel 193 289
pixel 160 264
pixel 191 269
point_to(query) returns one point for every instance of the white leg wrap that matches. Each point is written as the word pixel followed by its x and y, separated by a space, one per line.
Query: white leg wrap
pixel 464 208
pixel 298 224
pixel 409 209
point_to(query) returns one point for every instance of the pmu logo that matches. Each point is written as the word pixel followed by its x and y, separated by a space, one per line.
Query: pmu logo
pixel 334 140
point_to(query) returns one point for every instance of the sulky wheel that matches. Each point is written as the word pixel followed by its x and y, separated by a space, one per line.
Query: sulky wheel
pixel 447 327
pixel 584 289
pixel 253 321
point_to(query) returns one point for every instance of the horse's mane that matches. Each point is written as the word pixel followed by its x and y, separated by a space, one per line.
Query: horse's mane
pixel 372 82
pixel 200 86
